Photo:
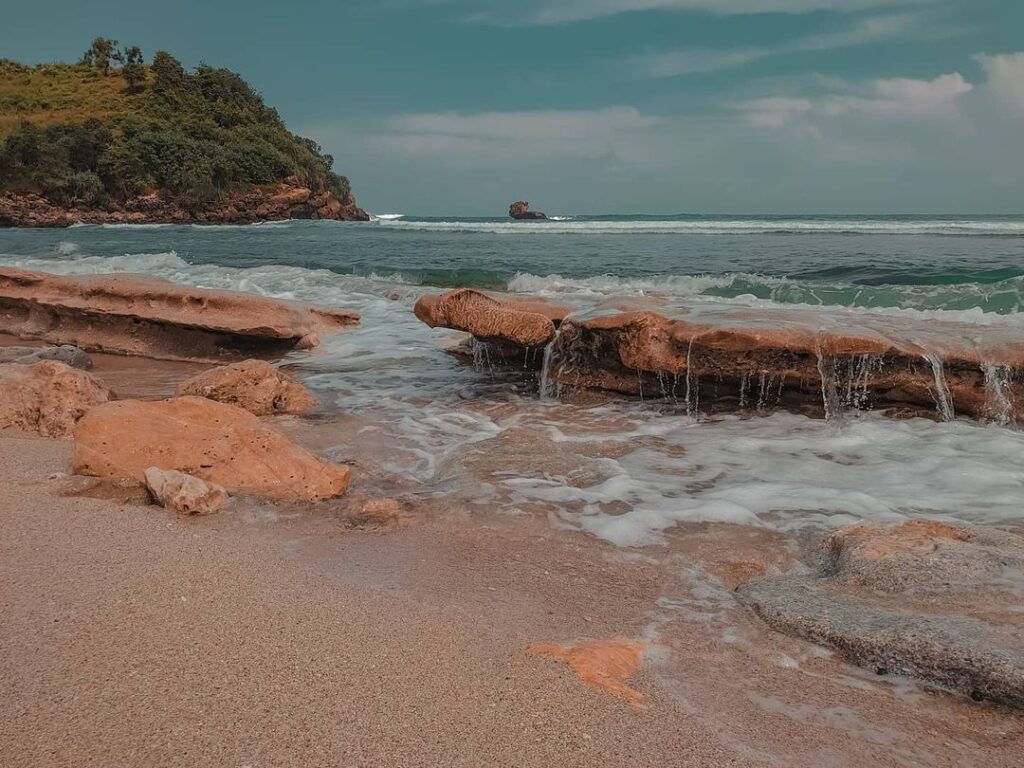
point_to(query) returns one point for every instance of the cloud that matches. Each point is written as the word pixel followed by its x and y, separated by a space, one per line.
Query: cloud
pixel 563 11
pixel 872 29
pixel 1005 74
pixel 897 98
pixel 528 135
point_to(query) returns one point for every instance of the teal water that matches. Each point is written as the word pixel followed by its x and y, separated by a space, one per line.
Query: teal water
pixel 915 262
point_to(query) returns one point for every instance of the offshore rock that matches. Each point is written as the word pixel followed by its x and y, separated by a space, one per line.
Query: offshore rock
pixel 521 210
pixel 288 199
pixel 183 493
pixel 520 322
pixel 254 385
pixel 48 397
pixel 66 353
pixel 933 601
pixel 151 317
pixel 215 442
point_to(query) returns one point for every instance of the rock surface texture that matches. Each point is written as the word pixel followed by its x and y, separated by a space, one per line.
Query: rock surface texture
pixel 519 322
pixel 147 316
pixel 48 397
pixel 254 385
pixel 740 358
pixel 929 600
pixel 65 353
pixel 216 442
pixel 289 199
pixel 185 494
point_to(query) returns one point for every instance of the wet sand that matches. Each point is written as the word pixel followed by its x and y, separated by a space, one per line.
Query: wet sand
pixel 280 636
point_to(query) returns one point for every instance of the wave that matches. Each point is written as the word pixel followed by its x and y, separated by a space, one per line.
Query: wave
pixel 386 216
pixel 970 300
pixel 714 226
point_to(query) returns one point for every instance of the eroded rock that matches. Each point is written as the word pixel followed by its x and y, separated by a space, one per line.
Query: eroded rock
pixel 255 385
pixel 185 494
pixel 521 322
pixel 151 317
pixel 724 358
pixel 47 397
pixel 216 442
pixel 925 599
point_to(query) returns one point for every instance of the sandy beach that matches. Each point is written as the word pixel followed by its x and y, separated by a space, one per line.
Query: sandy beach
pixel 283 636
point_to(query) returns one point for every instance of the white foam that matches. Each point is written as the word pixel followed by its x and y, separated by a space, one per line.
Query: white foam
pixel 718 226
pixel 788 471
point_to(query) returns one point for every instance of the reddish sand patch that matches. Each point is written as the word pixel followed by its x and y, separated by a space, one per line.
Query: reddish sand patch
pixel 601 664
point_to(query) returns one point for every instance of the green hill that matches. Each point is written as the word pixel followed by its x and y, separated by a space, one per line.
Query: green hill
pixel 98 133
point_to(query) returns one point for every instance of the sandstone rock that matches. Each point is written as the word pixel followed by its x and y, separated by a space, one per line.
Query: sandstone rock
pixel 925 599
pixel 184 493
pixel 48 397
pixel 529 323
pixel 733 357
pixel 375 513
pixel 66 354
pixel 213 441
pixel 255 385
pixel 141 315
pixel 288 199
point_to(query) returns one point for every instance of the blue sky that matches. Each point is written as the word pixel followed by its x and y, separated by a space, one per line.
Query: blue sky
pixel 612 106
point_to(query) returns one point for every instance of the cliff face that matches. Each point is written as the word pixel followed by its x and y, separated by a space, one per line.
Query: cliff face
pixel 290 199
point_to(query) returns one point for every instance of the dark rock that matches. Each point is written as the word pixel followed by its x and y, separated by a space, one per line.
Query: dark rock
pixel 521 210
pixel 65 353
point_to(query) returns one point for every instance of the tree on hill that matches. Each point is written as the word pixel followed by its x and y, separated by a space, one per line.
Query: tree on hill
pixel 102 52
pixel 133 70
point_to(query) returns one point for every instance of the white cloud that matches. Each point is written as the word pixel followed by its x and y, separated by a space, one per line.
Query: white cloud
pixel 872 29
pixel 562 11
pixel 489 138
pixel 898 98
pixel 1005 76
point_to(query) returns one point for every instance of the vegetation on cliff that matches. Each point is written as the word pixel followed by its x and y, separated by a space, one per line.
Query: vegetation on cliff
pixel 96 133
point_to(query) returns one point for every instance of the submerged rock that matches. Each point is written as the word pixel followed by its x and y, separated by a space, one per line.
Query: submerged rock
pixel 183 493
pixel 66 353
pixel 48 397
pixel 937 602
pixel 213 441
pixel 151 317
pixel 255 385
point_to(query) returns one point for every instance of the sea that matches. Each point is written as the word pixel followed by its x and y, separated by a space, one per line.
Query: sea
pixel 630 471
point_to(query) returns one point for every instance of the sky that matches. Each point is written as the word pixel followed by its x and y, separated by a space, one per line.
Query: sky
pixel 458 107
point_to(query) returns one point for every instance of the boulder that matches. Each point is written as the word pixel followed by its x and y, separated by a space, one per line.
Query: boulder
pixel 183 493
pixel 151 317
pixel 924 599
pixel 65 353
pixel 216 442
pixel 48 397
pixel 524 323
pixel 255 385
pixel 521 210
